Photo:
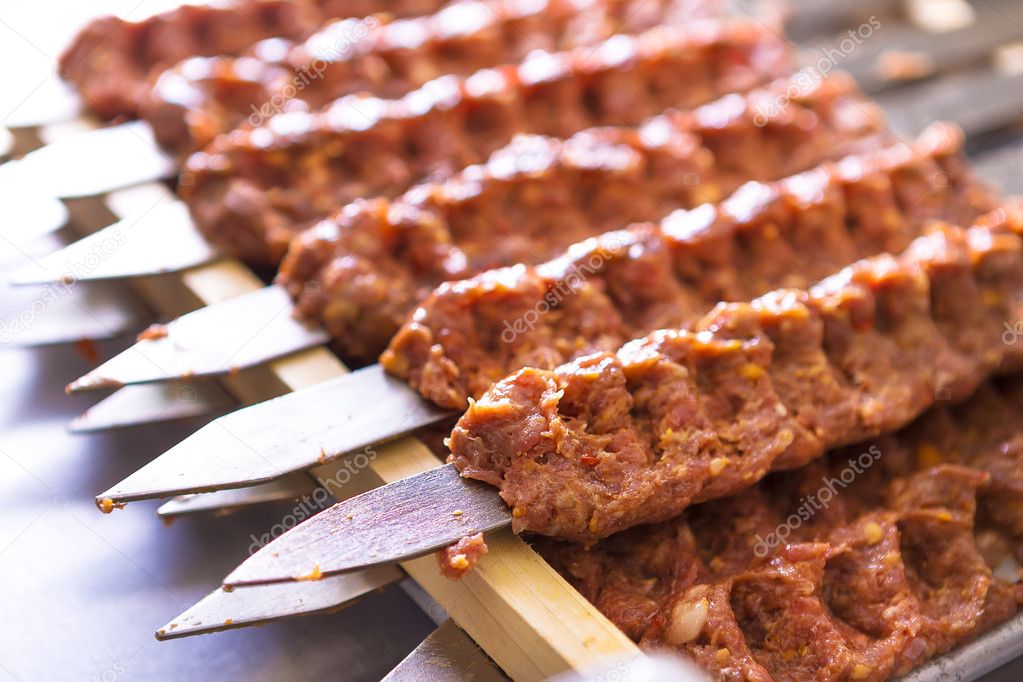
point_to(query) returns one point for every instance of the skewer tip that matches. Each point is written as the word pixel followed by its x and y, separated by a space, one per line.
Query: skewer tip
pixel 91 383
pixel 107 504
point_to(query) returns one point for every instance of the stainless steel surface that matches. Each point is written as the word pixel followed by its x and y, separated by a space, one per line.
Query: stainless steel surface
pixel 253 445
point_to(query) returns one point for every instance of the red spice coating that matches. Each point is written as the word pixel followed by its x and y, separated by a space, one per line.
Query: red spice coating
pixel 253 189
pixel 376 260
pixel 600 293
pixel 192 102
pixel 889 556
pixel 112 61
pixel 692 414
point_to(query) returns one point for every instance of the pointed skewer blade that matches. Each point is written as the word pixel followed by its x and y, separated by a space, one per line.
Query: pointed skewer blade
pixel 26 214
pixel 399 521
pixel 99 161
pixel 290 488
pixel 159 240
pixel 224 610
pixel 225 337
pixel 254 445
pixel 56 315
pixel 447 655
pixel 51 102
pixel 152 403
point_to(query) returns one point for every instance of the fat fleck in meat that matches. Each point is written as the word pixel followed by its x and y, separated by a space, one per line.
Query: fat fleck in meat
pixel 252 190
pixel 111 61
pixel 466 335
pixel 360 273
pixel 616 439
pixel 859 566
pixel 202 97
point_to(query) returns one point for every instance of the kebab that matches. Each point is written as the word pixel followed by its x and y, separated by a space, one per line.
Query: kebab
pixel 111 61
pixel 889 564
pixel 467 317
pixel 466 335
pixel 686 157
pixel 301 167
pixel 199 98
pixel 693 414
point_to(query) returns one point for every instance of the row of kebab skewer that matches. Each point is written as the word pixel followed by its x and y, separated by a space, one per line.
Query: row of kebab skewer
pixel 675 291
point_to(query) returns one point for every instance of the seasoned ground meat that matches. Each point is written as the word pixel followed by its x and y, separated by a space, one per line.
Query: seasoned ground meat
pixel 202 97
pixel 859 566
pixel 461 558
pixel 466 335
pixel 253 189
pixel 616 439
pixel 111 60
pixel 360 273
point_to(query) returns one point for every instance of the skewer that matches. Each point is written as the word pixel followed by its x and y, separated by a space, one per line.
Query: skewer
pixel 516 611
pixel 59 313
pixel 99 161
pixel 150 404
pixel 178 348
pixel 571 170
pixel 369 56
pixel 53 102
pixel 172 242
pixel 223 610
pixel 109 67
pixel 319 542
pixel 187 467
pixel 6 143
pixel 288 489
pixel 138 258
pixel 31 214
pixel 253 446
